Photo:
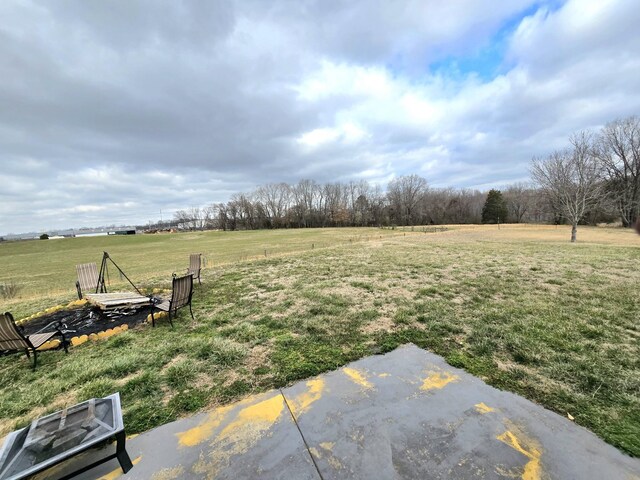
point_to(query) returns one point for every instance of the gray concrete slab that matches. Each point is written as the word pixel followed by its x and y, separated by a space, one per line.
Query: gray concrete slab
pixel 410 415
pixel 404 415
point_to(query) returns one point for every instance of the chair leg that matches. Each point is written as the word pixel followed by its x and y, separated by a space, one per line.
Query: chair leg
pixel 192 317
pixel 65 342
pixel 35 359
pixel 121 453
pixel 153 320
pixel 26 350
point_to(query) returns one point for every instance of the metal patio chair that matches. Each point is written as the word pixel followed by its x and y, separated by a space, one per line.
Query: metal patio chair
pixel 13 338
pixel 88 279
pixel 181 294
pixel 195 265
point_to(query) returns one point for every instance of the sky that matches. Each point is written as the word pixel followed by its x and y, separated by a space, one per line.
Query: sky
pixel 119 112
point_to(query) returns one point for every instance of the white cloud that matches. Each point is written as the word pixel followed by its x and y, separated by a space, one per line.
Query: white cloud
pixel 139 108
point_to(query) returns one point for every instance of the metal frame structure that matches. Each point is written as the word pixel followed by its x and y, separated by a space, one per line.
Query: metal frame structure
pixel 103 271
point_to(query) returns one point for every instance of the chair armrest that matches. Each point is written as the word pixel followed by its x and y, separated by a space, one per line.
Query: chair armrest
pixel 65 342
pixel 154 300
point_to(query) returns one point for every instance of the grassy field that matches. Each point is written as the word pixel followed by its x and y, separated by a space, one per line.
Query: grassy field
pixel 518 306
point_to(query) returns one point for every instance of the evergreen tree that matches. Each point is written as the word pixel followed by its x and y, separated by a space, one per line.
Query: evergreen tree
pixel 495 208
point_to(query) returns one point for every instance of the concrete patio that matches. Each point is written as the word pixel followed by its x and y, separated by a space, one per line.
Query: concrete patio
pixel 406 414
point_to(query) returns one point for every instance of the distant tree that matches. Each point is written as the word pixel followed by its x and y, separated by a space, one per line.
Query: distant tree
pixel 275 199
pixel 618 149
pixel 571 179
pixel 405 195
pixel 495 208
pixel 519 197
pixel 44 236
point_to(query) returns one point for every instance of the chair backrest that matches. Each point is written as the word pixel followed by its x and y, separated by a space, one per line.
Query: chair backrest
pixel 10 337
pixel 88 277
pixel 182 290
pixel 195 264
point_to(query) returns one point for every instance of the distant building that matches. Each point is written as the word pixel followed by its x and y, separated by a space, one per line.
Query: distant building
pixel 92 234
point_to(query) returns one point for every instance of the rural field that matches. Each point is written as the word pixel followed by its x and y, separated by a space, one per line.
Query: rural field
pixel 518 306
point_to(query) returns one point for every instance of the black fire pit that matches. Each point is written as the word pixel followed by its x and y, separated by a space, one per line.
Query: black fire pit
pixel 57 437
pixel 86 320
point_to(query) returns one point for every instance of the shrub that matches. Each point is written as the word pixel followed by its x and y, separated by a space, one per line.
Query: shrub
pixel 9 289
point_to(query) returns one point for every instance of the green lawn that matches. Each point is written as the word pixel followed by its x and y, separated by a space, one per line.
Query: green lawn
pixel 45 268
pixel 519 307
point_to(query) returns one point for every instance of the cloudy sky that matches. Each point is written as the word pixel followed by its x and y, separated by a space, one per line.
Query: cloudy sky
pixel 114 110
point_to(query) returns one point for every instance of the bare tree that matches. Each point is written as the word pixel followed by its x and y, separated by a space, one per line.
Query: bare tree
pixel 305 194
pixel 405 195
pixel 618 148
pixel 275 198
pixel 335 195
pixel 221 214
pixel 572 179
pixel 519 197
pixel 209 216
pixel 190 219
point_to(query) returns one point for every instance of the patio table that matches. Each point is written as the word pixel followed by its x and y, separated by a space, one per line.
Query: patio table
pixel 106 301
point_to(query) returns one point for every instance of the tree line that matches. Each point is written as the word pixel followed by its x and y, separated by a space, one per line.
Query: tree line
pixel 595 179
pixel 408 200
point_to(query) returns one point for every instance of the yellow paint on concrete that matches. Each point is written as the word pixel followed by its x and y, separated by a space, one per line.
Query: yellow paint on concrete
pixel 327 454
pixel 335 463
pixel 169 473
pixel 328 445
pixel 202 432
pixel 527 447
pixel 250 425
pixel 75 341
pixel 264 412
pixel 483 408
pixel 384 375
pixel 315 452
pixel 118 471
pixel 358 377
pixel 438 380
pixel 48 345
pixel 303 401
